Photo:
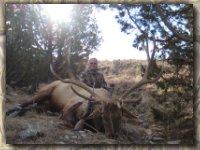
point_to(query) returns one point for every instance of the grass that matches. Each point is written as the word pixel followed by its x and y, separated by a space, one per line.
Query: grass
pixel 50 129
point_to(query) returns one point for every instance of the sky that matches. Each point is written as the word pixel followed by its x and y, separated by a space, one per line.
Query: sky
pixel 115 44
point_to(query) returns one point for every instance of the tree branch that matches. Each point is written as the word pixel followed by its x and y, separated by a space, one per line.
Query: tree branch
pixel 170 27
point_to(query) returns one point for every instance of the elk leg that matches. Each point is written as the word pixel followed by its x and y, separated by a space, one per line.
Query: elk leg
pixel 36 99
pixel 44 92
pixel 41 96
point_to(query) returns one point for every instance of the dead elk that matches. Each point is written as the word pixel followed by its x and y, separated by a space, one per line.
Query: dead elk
pixel 78 103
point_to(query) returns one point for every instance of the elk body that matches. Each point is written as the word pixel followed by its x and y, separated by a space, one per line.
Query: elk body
pixel 74 109
pixel 78 103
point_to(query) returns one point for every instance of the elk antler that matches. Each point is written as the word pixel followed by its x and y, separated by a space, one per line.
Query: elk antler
pixel 127 113
pixel 83 96
pixel 145 79
pixel 67 52
pixel 79 84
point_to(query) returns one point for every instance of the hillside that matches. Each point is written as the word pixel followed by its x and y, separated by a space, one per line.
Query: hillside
pixel 157 115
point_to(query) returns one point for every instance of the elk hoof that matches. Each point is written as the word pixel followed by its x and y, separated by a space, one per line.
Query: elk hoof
pixel 79 124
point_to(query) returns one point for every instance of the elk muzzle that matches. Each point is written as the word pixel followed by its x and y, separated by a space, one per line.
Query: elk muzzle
pixel 111 117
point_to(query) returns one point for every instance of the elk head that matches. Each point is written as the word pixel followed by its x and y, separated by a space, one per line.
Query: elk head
pixel 106 112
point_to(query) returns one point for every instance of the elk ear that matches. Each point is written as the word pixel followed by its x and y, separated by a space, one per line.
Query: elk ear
pixel 127 113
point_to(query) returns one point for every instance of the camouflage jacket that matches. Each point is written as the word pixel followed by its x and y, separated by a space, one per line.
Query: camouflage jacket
pixel 93 78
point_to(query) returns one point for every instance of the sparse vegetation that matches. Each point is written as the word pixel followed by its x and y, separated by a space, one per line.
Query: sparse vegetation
pixel 160 114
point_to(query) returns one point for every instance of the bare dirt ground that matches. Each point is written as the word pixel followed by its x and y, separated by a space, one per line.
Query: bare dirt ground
pixel 38 125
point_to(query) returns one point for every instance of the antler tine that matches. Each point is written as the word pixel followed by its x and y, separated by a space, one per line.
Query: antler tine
pixel 83 96
pixel 79 84
pixel 127 113
pixel 140 83
pixel 145 79
pixel 67 54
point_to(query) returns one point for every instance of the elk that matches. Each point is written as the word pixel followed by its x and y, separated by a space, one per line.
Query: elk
pixel 78 103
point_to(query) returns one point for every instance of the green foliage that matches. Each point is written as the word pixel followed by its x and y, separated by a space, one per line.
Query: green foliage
pixel 169 115
pixel 170 27
pixel 33 42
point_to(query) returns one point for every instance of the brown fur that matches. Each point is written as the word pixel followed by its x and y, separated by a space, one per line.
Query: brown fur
pixel 63 99
pixel 106 112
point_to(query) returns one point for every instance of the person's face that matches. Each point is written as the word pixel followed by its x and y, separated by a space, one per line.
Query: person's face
pixel 92 64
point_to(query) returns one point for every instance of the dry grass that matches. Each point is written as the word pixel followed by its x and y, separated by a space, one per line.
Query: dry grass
pixel 37 126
